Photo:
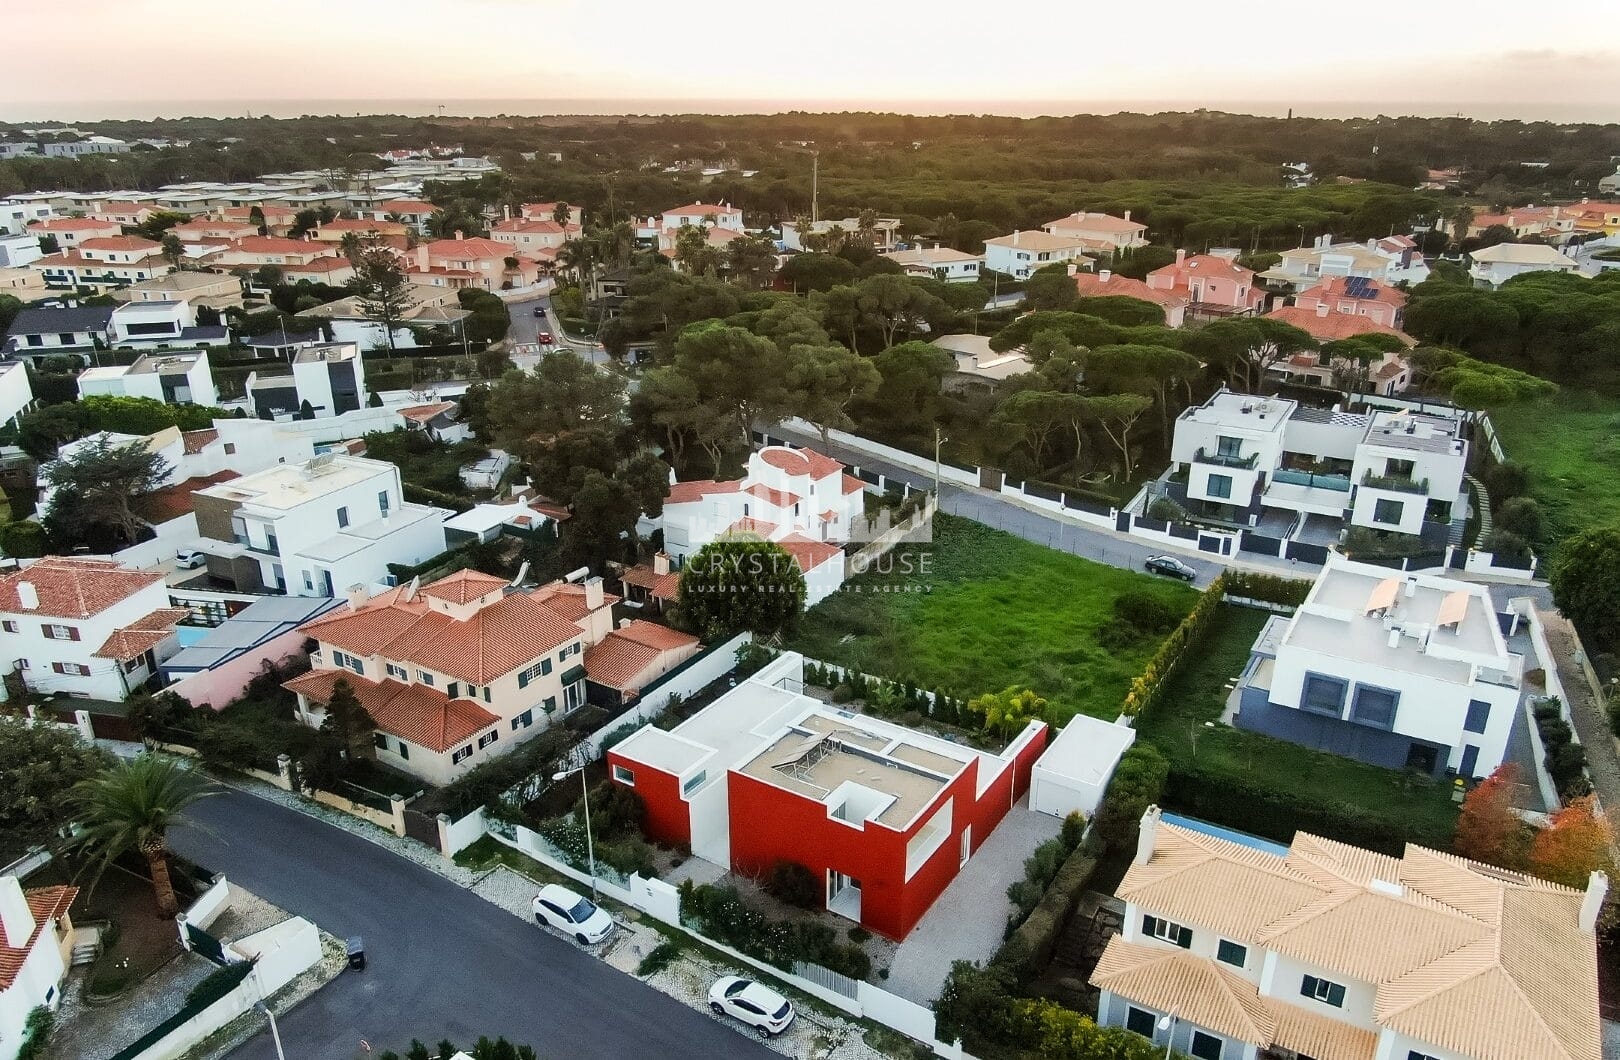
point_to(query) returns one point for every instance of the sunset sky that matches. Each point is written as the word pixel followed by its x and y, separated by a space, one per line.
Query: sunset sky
pixel 1415 57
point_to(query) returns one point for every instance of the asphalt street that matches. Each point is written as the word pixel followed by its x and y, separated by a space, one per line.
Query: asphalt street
pixel 441 962
pixel 526 328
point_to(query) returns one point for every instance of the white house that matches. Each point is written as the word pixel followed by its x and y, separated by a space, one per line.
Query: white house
pixel 1403 670
pixel 17 214
pixel 17 250
pixel 176 378
pixel 885 232
pixel 1234 949
pixel 699 214
pixel 16 395
pixel 1493 266
pixel 145 324
pixel 941 263
pixel 459 670
pixel 330 376
pixel 1021 254
pixel 1104 233
pixel 85 627
pixel 1387 471
pixel 314 528
pixel 40 332
pixel 36 949
pixel 69 232
pixel 1390 260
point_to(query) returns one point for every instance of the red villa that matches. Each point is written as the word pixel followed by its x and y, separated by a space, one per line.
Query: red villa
pixel 885 816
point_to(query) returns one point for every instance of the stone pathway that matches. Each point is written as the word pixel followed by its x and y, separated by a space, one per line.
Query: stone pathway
pixel 84 1029
pixel 1586 710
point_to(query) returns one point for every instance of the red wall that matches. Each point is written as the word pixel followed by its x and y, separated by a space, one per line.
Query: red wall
pixel 770 824
pixel 668 817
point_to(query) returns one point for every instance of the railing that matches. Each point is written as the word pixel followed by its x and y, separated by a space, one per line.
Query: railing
pixel 1204 456
pixel 1399 483
pixel 1339 483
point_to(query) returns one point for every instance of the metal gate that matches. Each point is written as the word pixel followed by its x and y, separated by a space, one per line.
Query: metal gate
pixel 422 828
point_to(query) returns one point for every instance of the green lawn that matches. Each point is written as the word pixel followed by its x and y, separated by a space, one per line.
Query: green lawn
pixel 1305 777
pixel 988 610
pixel 1571 444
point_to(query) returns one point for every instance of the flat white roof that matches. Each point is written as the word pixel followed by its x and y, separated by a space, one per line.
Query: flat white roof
pixel 1227 409
pixel 286 486
pixel 1086 750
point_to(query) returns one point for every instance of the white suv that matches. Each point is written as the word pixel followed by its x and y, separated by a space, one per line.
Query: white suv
pixel 762 1008
pixel 575 914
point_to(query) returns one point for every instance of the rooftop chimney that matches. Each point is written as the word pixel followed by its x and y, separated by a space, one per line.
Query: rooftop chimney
pixel 1072 268
pixel 460 234
pixel 661 563
pixel 1597 889
pixel 1015 237
pixel 422 258
pixel 1127 215
pixel 506 212
pixel 1105 275
pixel 1321 309
pixel 1181 256
pixel 1148 834
pixel 27 596
pixel 358 595
pixel 593 593
pixel 522 573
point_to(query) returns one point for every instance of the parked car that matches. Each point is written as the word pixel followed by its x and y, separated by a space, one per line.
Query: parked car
pixel 189 559
pixel 540 311
pixel 544 338
pixel 762 1008
pixel 573 913
pixel 1170 567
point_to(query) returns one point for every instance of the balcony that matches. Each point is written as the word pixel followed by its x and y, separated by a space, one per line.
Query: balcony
pixel 1246 463
pixel 1311 480
pixel 1398 483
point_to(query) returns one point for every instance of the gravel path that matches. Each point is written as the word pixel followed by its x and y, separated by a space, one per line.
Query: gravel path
pixel 1586 710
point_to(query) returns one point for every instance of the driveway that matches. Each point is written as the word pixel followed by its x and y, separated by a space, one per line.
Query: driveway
pixel 442 962
pixel 967 922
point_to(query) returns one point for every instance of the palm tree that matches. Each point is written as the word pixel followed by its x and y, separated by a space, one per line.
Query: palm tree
pixel 131 807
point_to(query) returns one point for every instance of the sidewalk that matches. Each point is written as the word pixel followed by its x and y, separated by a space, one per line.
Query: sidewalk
pixel 1586 709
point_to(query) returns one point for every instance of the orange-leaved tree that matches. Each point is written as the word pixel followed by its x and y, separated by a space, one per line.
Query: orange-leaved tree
pixel 1577 840
pixel 1487 828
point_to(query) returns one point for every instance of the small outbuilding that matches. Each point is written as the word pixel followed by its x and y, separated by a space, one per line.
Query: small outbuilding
pixel 1074 771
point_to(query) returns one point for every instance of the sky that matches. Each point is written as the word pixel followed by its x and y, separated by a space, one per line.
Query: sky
pixel 1554 58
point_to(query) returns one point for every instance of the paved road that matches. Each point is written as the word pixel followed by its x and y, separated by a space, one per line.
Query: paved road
pixel 441 961
pixel 526 328
pixel 996 511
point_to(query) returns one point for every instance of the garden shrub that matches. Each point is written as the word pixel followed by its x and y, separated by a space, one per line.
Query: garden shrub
pixel 1028 949
pixel 36 1033
pixel 794 884
pixel 1147 686
pixel 1267 588
pixel 720 913
pixel 658 958
pixel 1138 782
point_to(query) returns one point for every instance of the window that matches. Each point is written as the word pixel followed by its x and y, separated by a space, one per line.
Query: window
pixel 1167 931
pixel 522 721
pixel 404 749
pixel 309 583
pixel 10 626
pixel 1374 706
pixel 71 668
pixel 1388 511
pixel 1323 695
pixel 1232 447
pixel 460 753
pixel 1140 1020
pixel 1399 468
pixel 425 677
pixel 55 632
pixel 1479 716
pixel 569 652
pixel 539 669
pixel 1413 1054
pixel 488 738
pixel 1219 486
pixel 230 448
pixel 1205 1046
pixel 343 517
pixel 693 782
pixel 486 694
pixel 382 501
pixel 1322 990
pixel 624 775
pixel 1233 953
pixel 380 740
pixel 453 690
pixel 398 672
pixel 550 705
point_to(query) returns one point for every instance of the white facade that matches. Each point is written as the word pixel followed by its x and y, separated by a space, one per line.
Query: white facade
pixel 1021 254
pixel 1380 470
pixel 1073 772
pixel 316 528
pixel 17 250
pixel 720 215
pixel 173 378
pixel 16 396
pixel 884 233
pixel 330 376
pixel 942 263
pixel 1385 261
pixel 1493 266
pixel 786 491
pixel 38 980
pixel 1402 670
pixel 16 215
pixel 149 324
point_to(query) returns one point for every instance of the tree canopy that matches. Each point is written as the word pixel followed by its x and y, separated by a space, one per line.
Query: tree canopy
pixel 728 586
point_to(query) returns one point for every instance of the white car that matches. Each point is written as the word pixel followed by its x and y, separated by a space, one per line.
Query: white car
pixel 575 914
pixel 762 1008
pixel 189 559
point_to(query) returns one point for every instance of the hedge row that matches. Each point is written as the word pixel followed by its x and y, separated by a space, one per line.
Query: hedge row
pixel 1267 588
pixel 720 913
pixel 1147 686
pixel 1029 949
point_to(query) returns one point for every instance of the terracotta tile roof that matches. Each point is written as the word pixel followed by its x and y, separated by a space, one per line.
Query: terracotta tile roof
pixel 462 586
pixel 328 263
pixel 74 588
pixel 779 498
pixel 809 553
pixel 273 245
pixel 704 209
pixel 698 488
pixel 1034 239
pixel 1335 325
pixel 801 461
pixel 365 224
pixel 1338 287
pixel 1204 265
pixel 1202 992
pixel 171 502
pixel 751 527
pixel 425 413
pixel 1092 285
pixel 500 637
pixel 422 715
pixel 659 586
pixel 47 904
pixel 72 224
pixel 1465 957
pixel 146 246
pixel 624 655
pixel 520 225
pixel 853 484
pixel 148 632
pixel 1097 222
pixel 469 249
pixel 406 206
pixel 197 441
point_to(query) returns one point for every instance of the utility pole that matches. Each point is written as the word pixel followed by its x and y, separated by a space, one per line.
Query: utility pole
pixel 815 186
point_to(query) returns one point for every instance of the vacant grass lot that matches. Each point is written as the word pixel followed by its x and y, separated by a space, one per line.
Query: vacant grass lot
pixel 1302 775
pixel 1571 444
pixel 997 611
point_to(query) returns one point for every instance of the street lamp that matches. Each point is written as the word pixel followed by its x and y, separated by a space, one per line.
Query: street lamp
pixel 585 794
pixel 1167 1023
pixel 939 439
